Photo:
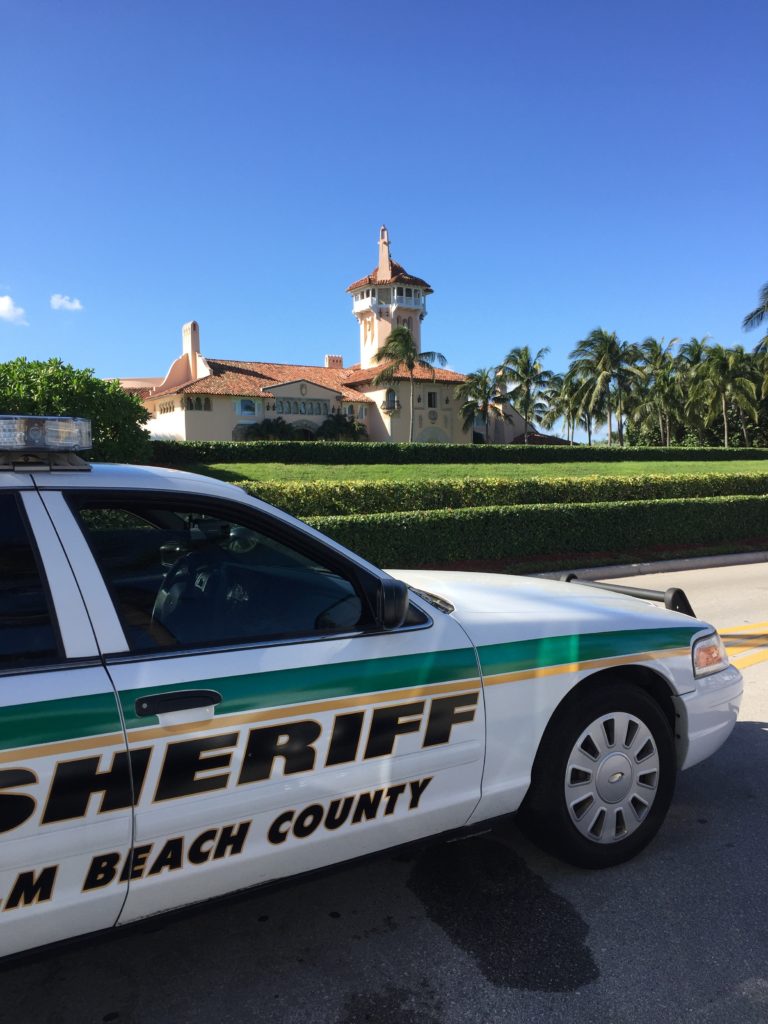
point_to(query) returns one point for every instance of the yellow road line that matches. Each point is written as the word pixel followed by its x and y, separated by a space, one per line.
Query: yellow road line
pixel 747 645
pixel 745 660
pixel 759 640
pixel 745 628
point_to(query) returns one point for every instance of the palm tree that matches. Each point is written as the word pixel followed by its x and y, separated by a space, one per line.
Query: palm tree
pixel 761 365
pixel 564 402
pixel 756 317
pixel 482 395
pixel 746 366
pixel 689 364
pixel 606 366
pixel 694 352
pixel 657 391
pixel 723 383
pixel 525 378
pixel 400 351
pixel 590 412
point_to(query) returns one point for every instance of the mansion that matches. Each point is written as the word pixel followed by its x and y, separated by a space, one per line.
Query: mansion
pixel 204 398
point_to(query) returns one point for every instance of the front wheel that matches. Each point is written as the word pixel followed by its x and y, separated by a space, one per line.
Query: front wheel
pixel 603 777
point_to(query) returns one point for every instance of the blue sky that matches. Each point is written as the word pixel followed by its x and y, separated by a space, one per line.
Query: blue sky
pixel 547 166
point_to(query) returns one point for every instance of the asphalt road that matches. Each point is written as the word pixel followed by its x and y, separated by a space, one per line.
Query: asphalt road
pixel 484 930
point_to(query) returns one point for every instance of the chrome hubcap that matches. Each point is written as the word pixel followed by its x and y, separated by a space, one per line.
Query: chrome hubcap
pixel 612 777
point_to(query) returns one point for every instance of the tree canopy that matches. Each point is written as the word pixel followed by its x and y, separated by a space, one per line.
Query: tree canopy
pixel 655 392
pixel 481 395
pixel 54 388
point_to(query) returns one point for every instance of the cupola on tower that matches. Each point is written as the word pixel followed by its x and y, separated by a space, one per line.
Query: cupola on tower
pixel 388 297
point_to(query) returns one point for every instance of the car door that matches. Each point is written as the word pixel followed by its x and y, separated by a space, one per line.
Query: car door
pixel 276 726
pixel 65 792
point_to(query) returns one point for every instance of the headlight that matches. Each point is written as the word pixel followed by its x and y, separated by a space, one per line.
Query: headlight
pixel 709 655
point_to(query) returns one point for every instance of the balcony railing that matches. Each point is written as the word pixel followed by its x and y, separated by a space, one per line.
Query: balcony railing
pixel 409 302
pixel 375 304
pixel 368 302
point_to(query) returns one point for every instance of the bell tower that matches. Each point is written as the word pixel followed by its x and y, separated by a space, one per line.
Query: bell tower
pixel 388 297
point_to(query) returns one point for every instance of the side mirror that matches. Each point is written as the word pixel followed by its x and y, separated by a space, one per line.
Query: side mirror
pixel 392 603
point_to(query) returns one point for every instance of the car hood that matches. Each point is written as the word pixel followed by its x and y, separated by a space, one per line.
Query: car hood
pixel 496 608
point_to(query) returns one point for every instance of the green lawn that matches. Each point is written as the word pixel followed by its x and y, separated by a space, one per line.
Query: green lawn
pixel 277 471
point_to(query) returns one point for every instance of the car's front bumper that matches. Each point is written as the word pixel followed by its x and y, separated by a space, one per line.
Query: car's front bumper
pixel 707 715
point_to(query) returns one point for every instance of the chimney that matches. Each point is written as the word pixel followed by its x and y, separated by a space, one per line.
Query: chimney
pixel 334 362
pixel 385 267
pixel 190 346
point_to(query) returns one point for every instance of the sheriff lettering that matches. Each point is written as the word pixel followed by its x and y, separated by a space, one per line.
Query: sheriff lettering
pixel 109 782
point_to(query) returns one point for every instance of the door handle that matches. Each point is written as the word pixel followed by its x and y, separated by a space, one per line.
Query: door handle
pixel 178 700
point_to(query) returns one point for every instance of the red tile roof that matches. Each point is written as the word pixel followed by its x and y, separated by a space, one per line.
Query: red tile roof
pixel 254 380
pixel 399 276
pixel 358 376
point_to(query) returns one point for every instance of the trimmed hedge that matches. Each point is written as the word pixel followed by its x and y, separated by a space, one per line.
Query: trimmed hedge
pixel 328 498
pixel 176 453
pixel 409 539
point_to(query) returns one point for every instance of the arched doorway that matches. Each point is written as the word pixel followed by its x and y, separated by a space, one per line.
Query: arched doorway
pixel 305 431
pixel 433 435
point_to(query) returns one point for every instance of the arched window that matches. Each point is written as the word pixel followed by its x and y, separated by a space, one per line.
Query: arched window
pixel 390 401
pixel 207 404
pixel 302 407
pixel 326 408
pixel 318 409
pixel 279 405
pixel 295 408
pixel 199 404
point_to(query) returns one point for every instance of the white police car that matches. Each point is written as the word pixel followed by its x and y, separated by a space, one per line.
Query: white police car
pixel 198 694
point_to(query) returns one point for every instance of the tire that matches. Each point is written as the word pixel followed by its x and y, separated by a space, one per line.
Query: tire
pixel 603 777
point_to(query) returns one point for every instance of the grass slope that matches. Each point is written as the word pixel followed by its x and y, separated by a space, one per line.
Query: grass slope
pixel 274 471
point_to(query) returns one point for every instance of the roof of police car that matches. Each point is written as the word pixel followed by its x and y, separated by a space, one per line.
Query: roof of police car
pixel 103 476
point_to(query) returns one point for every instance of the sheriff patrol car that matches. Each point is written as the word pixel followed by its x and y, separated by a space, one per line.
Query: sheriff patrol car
pixel 200 694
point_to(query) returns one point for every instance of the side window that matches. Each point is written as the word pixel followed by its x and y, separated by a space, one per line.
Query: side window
pixel 184 575
pixel 27 633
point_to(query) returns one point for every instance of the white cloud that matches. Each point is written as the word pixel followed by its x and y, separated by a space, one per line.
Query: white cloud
pixel 64 302
pixel 10 312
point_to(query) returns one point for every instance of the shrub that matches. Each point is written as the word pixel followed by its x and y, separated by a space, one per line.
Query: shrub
pixel 267 430
pixel 408 539
pixel 54 388
pixel 329 498
pixel 339 427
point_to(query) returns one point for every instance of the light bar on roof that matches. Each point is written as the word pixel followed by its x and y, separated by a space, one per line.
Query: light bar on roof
pixel 44 434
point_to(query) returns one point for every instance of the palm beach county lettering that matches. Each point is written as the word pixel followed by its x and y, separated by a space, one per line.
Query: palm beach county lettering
pixel 101 782
pixel 349 810
pixel 152 860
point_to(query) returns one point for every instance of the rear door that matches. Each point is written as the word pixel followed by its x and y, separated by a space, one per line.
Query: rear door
pixel 275 726
pixel 65 790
